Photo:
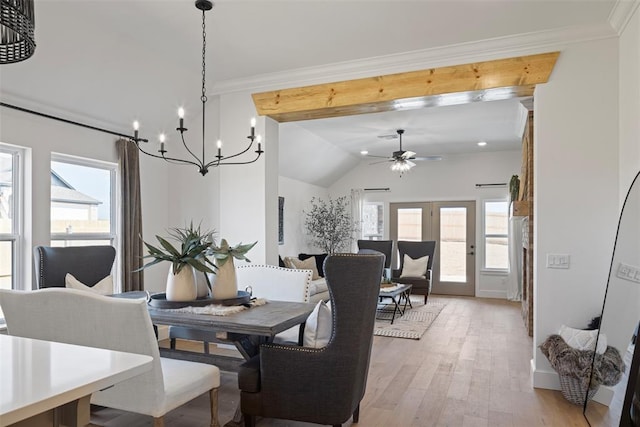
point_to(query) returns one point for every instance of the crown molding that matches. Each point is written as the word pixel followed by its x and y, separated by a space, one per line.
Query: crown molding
pixel 621 14
pixel 482 50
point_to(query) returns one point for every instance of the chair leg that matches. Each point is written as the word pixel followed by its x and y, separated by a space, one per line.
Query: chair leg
pixel 213 400
pixel 206 347
pixel 172 343
pixel 425 299
pixel 356 414
pixel 158 422
pixel 249 420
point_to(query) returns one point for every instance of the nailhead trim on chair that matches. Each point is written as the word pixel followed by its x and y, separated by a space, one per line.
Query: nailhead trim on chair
pixel 307 285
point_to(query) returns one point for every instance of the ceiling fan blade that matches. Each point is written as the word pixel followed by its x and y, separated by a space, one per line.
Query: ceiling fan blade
pixel 427 158
pixel 379 157
pixel 407 154
pixel 410 163
pixel 381 161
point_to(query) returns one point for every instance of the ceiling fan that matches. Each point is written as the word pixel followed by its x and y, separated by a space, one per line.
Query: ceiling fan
pixel 401 161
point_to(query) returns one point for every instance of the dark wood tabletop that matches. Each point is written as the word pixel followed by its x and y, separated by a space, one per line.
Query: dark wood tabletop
pixel 265 320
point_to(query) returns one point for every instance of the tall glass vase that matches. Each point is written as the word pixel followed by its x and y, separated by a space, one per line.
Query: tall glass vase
pixel 225 283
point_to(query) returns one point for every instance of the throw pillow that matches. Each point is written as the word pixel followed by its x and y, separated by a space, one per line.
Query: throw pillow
pixel 319 261
pixel 103 287
pixel 307 264
pixel 414 267
pixel 583 339
pixel 287 261
pixel 319 326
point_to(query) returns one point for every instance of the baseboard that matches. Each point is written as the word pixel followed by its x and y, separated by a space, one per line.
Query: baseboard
pixel 549 380
pixel 491 294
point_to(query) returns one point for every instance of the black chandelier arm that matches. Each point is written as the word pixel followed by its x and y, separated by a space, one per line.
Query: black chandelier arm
pixel 199 162
pixel 163 157
pixel 238 154
pixel 215 163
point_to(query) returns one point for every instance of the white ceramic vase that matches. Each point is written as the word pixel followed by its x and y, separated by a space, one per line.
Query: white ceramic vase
pixel 225 283
pixel 202 290
pixel 181 286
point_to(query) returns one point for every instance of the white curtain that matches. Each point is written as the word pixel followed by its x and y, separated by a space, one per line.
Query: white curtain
pixel 514 280
pixel 357 203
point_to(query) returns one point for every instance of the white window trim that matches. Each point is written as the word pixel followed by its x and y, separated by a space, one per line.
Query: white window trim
pixel 484 269
pixel 16 237
pixel 114 226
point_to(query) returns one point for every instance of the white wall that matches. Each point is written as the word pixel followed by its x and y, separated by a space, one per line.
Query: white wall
pixel 575 189
pixel 453 179
pixel 629 103
pixel 44 136
pixel 297 195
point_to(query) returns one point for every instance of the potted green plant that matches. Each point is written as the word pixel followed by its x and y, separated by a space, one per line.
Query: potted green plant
pixel 189 256
pixel 225 284
pixel 330 225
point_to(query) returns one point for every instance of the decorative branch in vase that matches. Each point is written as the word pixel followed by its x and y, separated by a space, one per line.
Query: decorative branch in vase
pixel 225 284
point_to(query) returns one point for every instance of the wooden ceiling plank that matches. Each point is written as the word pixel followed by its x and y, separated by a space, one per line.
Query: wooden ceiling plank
pixel 375 94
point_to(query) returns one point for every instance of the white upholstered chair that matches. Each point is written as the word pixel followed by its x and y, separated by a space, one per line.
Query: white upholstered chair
pixel 266 281
pixel 83 318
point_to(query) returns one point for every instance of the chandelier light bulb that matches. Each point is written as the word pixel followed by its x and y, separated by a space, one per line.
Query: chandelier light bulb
pixel 253 122
pixel 162 137
pixel 181 112
pixel 136 125
pixel 259 139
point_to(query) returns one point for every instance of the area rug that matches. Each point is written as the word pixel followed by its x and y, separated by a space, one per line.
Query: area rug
pixel 412 325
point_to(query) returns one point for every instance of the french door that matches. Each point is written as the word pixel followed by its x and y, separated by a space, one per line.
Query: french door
pixel 452 226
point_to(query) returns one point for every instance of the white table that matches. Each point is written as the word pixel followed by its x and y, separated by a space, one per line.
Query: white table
pixel 36 377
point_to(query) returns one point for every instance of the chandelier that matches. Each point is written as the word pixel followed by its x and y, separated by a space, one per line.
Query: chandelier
pixel 17 24
pixel 196 159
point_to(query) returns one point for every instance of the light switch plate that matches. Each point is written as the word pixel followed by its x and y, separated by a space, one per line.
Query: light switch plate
pixel 628 272
pixel 558 261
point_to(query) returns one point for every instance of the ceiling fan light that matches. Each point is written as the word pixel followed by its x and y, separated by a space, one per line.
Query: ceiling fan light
pixel 401 166
pixel 364 152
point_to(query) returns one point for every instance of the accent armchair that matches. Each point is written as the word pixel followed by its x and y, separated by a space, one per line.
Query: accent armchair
pixel 384 246
pixel 320 385
pixel 88 264
pixel 84 318
pixel 415 250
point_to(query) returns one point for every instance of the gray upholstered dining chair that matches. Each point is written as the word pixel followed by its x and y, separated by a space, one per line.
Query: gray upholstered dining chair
pixel 84 318
pixel 420 285
pixel 88 264
pixel 320 385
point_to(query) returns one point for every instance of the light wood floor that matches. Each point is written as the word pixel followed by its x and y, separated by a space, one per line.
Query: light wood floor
pixel 471 368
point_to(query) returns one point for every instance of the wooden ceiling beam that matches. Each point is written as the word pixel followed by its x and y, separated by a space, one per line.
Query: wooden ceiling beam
pixel 479 81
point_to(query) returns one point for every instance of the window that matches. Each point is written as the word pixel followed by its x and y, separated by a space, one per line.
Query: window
pixel 83 203
pixel 496 235
pixel 372 221
pixel 10 211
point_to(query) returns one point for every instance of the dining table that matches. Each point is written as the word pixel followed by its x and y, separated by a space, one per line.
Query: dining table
pixel 245 329
pixel 45 383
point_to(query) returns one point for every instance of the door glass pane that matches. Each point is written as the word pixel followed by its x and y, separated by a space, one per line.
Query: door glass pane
pixel 410 224
pixel 453 244
pixel 80 199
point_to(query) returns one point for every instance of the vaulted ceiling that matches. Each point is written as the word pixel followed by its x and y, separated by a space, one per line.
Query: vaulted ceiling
pixel 108 61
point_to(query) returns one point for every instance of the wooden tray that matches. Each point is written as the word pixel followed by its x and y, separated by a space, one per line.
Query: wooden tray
pixel 160 301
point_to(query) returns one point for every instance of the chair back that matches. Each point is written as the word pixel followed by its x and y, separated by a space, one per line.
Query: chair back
pixel 275 283
pixel 417 250
pixel 83 318
pixel 88 264
pixel 384 246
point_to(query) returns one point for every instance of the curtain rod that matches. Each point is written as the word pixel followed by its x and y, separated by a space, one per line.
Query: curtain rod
pixel 499 184
pixel 71 122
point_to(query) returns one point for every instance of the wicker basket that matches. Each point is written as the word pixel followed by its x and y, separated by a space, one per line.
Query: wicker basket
pixel 573 391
